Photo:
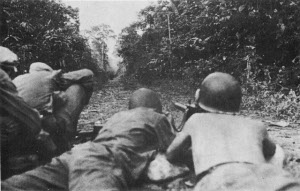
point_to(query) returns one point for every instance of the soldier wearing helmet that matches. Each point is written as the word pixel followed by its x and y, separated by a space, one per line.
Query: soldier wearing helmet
pixel 219 92
pixel 229 152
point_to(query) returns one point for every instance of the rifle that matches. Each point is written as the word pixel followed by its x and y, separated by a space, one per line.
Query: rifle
pixel 188 110
pixel 88 135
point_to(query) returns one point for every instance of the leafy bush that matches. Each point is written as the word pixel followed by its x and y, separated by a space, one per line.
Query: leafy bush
pixel 45 31
pixel 244 38
pixel 270 103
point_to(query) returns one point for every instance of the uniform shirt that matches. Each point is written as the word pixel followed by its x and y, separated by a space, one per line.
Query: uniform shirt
pixel 13 107
pixel 38 86
pixel 121 152
pixel 36 89
pixel 19 123
pixel 115 160
pixel 133 134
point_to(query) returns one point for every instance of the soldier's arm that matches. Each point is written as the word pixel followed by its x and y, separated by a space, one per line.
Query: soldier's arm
pixel 273 153
pixel 178 147
pixel 269 147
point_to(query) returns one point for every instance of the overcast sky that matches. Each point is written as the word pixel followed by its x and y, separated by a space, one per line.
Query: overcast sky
pixel 116 13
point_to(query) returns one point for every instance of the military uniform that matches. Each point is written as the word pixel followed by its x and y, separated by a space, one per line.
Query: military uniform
pixel 115 160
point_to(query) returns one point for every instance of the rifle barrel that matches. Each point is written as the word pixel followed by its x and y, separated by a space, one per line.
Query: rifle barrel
pixel 180 106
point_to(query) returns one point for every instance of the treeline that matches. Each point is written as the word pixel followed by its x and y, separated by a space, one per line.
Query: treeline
pixel 254 40
pixel 47 31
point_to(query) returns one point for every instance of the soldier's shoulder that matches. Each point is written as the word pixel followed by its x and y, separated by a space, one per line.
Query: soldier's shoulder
pixel 219 116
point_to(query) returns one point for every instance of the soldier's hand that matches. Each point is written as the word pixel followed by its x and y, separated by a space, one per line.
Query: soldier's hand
pixel 170 119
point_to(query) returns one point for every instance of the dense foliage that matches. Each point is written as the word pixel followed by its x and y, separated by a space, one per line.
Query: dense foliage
pixel 254 40
pixel 45 31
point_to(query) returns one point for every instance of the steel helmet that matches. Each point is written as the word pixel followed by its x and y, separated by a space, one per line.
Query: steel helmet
pixel 219 92
pixel 144 97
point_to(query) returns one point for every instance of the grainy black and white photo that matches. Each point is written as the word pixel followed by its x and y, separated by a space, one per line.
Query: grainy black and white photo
pixel 194 95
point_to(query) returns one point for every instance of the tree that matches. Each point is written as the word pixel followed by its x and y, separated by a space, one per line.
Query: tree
pixel 45 31
pixel 130 48
pixel 244 38
pixel 98 36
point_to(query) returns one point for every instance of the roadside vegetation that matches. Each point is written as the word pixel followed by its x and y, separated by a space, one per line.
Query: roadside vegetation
pixel 48 31
pixel 171 48
pixel 257 41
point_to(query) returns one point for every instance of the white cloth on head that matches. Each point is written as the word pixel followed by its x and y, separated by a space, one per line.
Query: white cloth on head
pixel 39 66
